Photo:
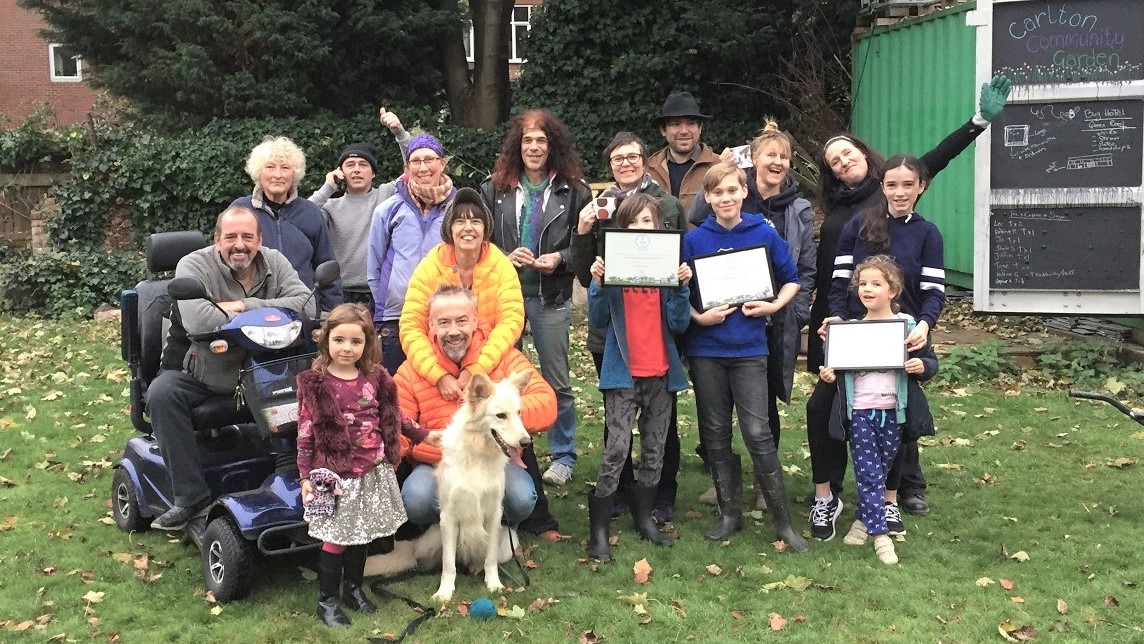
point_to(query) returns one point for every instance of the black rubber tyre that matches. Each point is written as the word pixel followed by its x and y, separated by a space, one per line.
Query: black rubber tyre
pixel 227 560
pixel 125 504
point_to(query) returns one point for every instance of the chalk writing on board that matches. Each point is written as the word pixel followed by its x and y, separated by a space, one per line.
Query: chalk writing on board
pixel 1050 248
pixel 1069 144
pixel 1055 42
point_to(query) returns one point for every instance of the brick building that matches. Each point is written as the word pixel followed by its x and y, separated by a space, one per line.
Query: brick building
pixel 34 71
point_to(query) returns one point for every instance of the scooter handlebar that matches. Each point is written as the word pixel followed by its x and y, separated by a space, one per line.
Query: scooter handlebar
pixel 1124 409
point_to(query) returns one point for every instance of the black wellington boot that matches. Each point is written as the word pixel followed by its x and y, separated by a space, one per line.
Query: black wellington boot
pixel 329 578
pixel 643 502
pixel 599 522
pixel 728 475
pixel 779 506
pixel 353 571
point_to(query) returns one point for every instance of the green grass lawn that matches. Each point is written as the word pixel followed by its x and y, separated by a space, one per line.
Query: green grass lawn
pixel 1036 524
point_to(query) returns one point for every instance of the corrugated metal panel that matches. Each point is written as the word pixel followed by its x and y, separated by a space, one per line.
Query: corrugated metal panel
pixel 913 85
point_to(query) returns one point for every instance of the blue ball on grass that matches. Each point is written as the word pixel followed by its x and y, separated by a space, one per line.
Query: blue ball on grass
pixel 483 609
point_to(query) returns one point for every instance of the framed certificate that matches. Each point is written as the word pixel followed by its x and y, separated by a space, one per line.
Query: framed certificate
pixel 866 344
pixel 642 257
pixel 734 277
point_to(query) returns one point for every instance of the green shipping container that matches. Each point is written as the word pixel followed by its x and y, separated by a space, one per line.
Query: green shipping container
pixel 913 85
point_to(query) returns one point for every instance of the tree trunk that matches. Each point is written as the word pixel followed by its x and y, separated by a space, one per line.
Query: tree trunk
pixel 478 97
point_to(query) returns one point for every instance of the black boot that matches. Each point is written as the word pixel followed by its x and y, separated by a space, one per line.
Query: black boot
pixel 779 505
pixel 728 475
pixel 643 501
pixel 353 571
pixel 599 520
pixel 329 578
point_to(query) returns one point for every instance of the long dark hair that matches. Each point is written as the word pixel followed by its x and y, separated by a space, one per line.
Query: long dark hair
pixel 829 185
pixel 562 155
pixel 875 232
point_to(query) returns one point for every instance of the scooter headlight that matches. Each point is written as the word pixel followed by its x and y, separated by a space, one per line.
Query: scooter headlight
pixel 274 337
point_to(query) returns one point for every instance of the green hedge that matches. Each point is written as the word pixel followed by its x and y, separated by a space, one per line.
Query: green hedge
pixel 181 181
pixel 66 284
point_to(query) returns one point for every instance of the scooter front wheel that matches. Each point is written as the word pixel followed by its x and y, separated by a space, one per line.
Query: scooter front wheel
pixel 125 504
pixel 227 560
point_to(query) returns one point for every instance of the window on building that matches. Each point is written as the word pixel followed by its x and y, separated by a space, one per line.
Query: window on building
pixel 521 15
pixel 518 31
pixel 66 66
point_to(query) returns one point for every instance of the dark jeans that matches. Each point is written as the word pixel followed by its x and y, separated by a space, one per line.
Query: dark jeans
pixel 365 298
pixel 668 487
pixel 391 354
pixel 170 398
pixel 723 385
pixel 541 519
pixel 828 456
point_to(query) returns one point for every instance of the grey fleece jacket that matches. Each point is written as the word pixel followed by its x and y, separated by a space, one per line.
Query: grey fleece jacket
pixel 276 283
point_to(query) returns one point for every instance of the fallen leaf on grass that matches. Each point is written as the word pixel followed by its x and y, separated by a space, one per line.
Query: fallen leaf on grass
pixel 588 637
pixel 541 604
pixel 1062 607
pixel 738 614
pixel 1020 555
pixel 516 612
pixel 797 584
pixel 1122 463
pixel 216 610
pixel 696 514
pixel 776 621
pixel 93 597
pixel 1017 599
pixel 780 545
pixel 949 466
pixel 7 482
pixel 1111 601
pixel 635 599
pixel 1007 584
pixel 307 574
pixel 1013 633
pixel 642 570
pixel 677 606
pixel 985 581
pixel 714 570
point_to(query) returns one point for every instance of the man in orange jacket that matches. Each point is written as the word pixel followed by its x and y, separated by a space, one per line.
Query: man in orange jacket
pixel 457 340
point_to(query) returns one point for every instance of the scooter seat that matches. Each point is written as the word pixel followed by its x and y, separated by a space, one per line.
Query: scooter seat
pixel 219 411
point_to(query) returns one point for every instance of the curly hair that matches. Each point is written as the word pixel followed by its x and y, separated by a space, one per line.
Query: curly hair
pixel 276 148
pixel 889 269
pixel 357 315
pixel 562 155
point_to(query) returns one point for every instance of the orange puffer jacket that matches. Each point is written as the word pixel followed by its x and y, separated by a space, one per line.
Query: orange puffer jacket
pixel 500 309
pixel 422 402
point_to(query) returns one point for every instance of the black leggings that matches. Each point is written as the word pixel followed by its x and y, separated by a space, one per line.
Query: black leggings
pixel 668 486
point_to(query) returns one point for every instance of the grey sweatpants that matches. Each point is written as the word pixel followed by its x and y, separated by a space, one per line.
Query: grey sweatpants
pixel 650 398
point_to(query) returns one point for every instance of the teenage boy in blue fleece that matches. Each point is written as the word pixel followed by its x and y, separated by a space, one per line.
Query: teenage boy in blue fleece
pixel 727 354
pixel 640 371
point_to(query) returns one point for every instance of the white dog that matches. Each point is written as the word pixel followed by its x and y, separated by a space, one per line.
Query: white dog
pixel 483 435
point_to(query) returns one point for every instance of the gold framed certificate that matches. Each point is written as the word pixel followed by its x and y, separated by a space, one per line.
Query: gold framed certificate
pixel 866 344
pixel 734 277
pixel 642 257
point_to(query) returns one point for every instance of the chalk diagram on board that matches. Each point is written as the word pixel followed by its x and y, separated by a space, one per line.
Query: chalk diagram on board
pixel 1025 141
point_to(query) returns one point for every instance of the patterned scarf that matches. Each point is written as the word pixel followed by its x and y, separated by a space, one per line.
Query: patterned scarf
pixel 614 190
pixel 531 211
pixel 431 196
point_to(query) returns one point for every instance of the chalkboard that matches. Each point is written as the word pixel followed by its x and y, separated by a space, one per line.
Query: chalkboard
pixel 1068 144
pixel 1069 42
pixel 1070 248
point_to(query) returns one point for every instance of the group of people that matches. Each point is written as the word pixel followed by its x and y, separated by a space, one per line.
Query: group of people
pixel 439 285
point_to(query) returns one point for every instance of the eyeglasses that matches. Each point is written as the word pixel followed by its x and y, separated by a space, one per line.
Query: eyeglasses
pixel 427 161
pixel 631 159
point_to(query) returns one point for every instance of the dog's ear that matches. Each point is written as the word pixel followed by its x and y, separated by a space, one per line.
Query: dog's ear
pixel 480 388
pixel 520 379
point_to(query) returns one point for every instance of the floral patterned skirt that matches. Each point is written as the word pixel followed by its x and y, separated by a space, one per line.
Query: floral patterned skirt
pixel 369 508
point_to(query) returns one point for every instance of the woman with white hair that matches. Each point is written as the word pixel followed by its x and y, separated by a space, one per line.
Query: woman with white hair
pixel 292 225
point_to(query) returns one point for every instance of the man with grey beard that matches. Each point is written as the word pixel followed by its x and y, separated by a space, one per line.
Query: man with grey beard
pixel 239 275
pixel 457 338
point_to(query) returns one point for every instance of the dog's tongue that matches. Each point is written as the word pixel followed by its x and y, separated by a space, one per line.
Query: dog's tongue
pixel 514 456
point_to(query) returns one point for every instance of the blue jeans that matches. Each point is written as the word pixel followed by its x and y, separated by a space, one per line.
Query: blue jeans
pixel 391 354
pixel 549 325
pixel 419 494
pixel 723 384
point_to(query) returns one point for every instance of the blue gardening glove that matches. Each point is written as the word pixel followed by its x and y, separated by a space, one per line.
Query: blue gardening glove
pixel 993 97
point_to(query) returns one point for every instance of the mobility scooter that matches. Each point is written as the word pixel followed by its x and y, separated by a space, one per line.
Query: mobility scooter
pixel 247 444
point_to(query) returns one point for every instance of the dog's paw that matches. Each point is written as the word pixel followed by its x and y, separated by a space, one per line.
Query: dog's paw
pixel 443 594
pixel 493 583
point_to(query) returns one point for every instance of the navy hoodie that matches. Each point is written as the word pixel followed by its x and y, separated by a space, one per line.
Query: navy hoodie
pixel 738 336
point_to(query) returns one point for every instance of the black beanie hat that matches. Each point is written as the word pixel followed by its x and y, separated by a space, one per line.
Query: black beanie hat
pixel 361 151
